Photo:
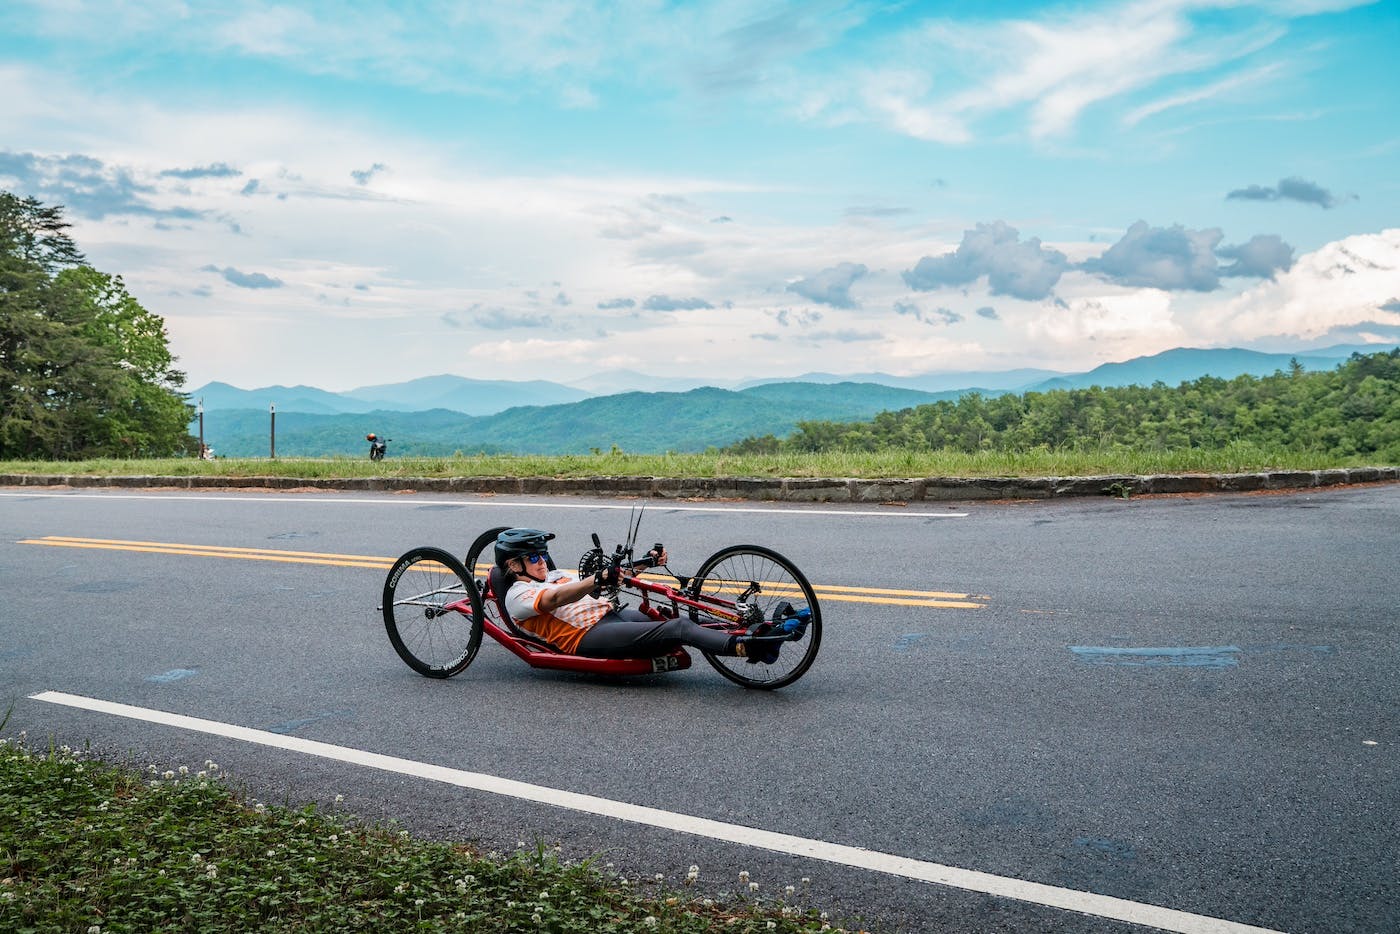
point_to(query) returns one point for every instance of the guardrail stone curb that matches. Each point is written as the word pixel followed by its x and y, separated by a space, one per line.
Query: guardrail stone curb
pixel 786 489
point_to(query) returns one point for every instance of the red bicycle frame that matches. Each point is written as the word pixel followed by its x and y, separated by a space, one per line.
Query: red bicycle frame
pixel 538 655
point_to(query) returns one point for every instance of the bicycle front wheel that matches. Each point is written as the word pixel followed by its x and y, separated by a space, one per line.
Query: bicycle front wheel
pixel 727 574
pixel 432 612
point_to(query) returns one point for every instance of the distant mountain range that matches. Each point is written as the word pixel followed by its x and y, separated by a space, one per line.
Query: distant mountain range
pixel 440 415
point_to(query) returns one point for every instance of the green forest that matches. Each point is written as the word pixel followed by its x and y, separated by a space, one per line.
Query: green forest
pixel 1351 411
pixel 85 371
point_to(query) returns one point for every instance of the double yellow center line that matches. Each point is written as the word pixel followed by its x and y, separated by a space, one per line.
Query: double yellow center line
pixel 923 598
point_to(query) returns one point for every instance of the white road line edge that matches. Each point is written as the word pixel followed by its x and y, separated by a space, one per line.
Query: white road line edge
pixel 856 857
pixel 653 505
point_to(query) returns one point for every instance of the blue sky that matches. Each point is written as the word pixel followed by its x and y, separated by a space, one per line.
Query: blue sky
pixel 342 194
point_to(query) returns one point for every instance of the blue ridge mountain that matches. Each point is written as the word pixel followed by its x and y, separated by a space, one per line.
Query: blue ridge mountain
pixel 440 415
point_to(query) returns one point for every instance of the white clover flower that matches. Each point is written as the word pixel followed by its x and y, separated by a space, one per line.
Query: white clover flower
pixel 271 853
pixel 623 883
pixel 260 807
pixel 650 921
pixel 743 875
pixel 301 822
pixel 753 886
pixel 7 896
pixel 196 858
pixel 418 903
pixel 201 774
pixel 212 872
pixel 95 929
pixel 788 890
pixel 167 775
pixel 660 877
pixel 184 770
pixel 339 798
pixel 510 904
pixel 772 925
pixel 708 902
pixel 401 888
pixel 824 916
pixel 535 917
pixel 77 768
pixel 310 860
pixel 152 769
pixel 461 887
pixel 334 837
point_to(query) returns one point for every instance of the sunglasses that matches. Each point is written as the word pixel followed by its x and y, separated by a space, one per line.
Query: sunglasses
pixel 541 556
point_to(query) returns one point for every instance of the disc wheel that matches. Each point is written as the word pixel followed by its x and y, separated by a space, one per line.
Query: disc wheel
pixel 727 574
pixel 432 612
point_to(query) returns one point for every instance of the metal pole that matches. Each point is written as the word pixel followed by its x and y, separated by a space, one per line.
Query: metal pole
pixel 201 428
pixel 272 411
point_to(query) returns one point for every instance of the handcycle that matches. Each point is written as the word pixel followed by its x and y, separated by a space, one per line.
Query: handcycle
pixel 436 608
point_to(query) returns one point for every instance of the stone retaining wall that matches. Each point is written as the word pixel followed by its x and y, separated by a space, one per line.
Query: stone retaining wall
pixel 792 489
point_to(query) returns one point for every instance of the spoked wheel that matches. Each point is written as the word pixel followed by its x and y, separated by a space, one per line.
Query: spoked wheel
pixel 727 574
pixel 484 549
pixel 432 611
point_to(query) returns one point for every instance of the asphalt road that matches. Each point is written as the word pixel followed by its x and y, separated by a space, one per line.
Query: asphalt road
pixel 1245 768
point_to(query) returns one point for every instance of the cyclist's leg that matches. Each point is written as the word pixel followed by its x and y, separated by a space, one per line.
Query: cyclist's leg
pixel 633 634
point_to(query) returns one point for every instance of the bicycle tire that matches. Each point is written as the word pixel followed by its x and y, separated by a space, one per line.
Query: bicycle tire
pixel 726 573
pixel 433 642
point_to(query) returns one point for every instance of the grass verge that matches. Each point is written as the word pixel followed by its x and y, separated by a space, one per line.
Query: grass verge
pixel 1235 458
pixel 89 846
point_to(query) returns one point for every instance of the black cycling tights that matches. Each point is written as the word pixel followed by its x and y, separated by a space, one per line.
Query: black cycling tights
pixel 633 634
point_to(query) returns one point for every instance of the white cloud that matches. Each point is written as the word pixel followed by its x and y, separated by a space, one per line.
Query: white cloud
pixel 1343 284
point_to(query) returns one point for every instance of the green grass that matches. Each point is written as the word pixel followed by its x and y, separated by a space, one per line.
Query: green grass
pixel 1237 458
pixel 89 846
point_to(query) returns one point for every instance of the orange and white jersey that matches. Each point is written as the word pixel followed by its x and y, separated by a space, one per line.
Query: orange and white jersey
pixel 566 625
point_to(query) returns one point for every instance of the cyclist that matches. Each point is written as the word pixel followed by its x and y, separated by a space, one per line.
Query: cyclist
pixel 567 612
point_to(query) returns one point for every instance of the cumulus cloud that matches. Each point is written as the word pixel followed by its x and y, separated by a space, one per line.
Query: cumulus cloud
pixel 1022 270
pixel 245 280
pixel 363 176
pixel 1161 258
pixel 988 312
pixel 614 303
pixel 1288 189
pixel 807 318
pixel 1264 255
pixel 86 186
pixel 841 336
pixel 831 286
pixel 667 303
pixel 495 318
pixel 936 318
pixel 217 170
pixel 1338 289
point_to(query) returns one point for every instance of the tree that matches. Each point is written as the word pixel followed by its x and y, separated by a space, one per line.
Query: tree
pixel 85 370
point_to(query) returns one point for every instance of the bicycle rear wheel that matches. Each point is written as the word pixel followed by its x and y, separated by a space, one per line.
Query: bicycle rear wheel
pixel 432 612
pixel 727 574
